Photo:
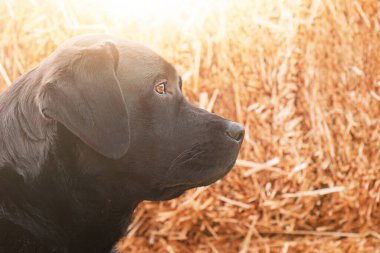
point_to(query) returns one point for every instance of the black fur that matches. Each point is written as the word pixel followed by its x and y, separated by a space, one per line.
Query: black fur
pixel 84 138
pixel 62 210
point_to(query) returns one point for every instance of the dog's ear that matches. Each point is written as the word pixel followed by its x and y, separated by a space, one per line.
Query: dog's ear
pixel 83 93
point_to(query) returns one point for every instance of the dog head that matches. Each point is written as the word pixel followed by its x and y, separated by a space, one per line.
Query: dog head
pixel 124 105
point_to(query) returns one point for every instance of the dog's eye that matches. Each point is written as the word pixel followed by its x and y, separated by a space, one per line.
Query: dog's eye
pixel 160 88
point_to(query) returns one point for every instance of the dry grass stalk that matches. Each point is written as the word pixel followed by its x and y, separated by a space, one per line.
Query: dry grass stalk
pixel 302 76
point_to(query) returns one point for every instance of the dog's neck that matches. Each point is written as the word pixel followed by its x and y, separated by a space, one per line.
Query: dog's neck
pixel 57 200
pixel 25 135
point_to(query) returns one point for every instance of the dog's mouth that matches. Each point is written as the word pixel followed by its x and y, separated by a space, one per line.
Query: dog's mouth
pixel 200 165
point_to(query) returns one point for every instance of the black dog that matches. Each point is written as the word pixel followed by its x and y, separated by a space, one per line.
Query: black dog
pixel 93 130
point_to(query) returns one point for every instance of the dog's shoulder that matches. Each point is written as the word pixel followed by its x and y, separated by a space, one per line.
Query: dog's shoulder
pixel 14 238
pixel 26 207
pixel 17 227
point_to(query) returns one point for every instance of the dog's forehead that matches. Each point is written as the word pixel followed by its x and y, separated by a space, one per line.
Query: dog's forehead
pixel 139 56
pixel 140 65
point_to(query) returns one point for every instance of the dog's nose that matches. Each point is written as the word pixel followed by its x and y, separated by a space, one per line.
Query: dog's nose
pixel 235 131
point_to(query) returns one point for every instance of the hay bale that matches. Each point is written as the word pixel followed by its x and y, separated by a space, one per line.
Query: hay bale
pixel 304 79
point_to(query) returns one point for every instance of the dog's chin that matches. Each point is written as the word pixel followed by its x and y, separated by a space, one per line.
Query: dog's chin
pixel 168 193
pixel 175 190
pixel 172 193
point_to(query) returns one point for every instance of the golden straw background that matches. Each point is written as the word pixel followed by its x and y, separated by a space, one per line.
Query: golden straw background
pixel 302 76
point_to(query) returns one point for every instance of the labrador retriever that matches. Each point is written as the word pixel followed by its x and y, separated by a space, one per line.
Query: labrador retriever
pixel 89 133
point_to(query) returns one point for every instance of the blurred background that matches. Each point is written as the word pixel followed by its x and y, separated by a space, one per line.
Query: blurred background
pixel 303 76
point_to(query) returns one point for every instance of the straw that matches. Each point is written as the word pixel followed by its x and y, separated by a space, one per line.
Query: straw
pixel 304 79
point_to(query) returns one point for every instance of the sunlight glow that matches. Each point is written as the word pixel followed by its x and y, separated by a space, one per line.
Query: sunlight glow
pixel 147 9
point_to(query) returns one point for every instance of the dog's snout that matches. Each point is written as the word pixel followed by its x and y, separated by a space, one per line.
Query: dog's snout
pixel 235 131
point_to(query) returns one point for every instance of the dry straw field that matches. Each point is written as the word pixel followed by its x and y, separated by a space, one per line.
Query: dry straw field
pixel 302 76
